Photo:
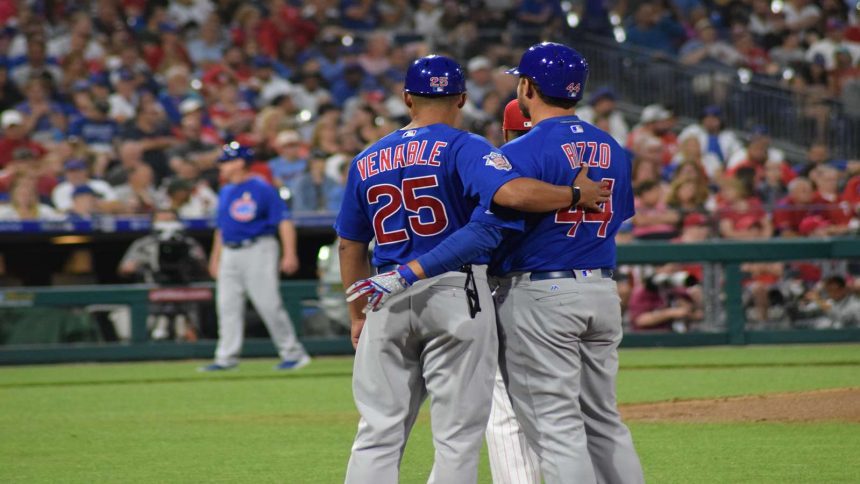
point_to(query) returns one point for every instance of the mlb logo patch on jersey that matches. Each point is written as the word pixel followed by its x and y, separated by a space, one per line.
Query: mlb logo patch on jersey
pixel 577 129
pixel 410 133
pixel 497 161
pixel 243 209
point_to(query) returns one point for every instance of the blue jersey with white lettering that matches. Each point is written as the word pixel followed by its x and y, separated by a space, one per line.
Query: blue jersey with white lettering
pixel 250 209
pixel 414 187
pixel 569 238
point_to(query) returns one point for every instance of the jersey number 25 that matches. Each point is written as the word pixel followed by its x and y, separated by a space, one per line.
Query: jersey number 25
pixel 576 216
pixel 406 196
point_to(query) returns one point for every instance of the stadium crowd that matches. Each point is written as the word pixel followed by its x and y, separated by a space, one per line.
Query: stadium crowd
pixel 120 107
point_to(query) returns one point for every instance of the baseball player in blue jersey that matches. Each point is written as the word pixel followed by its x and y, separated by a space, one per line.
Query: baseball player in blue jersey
pixel 558 307
pixel 245 261
pixel 410 191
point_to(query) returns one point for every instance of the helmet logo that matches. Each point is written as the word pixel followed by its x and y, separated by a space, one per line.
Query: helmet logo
pixel 439 83
pixel 573 89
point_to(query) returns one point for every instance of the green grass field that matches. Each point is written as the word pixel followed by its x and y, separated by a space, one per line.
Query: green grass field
pixel 164 422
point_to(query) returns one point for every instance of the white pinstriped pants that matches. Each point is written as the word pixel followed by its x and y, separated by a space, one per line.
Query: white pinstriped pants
pixel 512 460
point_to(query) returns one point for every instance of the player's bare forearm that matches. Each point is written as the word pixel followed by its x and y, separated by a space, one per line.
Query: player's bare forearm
pixel 531 195
pixel 215 256
pixel 354 266
pixel 287 233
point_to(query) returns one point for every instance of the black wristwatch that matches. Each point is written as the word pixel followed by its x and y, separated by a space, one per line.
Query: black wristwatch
pixel 577 194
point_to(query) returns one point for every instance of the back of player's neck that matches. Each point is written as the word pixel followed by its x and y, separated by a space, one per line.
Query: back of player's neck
pixel 547 112
pixel 426 119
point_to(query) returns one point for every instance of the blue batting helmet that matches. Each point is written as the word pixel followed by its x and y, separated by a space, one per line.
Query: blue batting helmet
pixel 435 75
pixel 234 150
pixel 558 70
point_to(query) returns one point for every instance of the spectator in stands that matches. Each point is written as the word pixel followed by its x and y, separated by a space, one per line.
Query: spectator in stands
pixel 24 203
pixel 77 175
pixel 602 104
pixel 130 156
pixel 654 219
pixel 713 137
pixel 36 64
pixel 230 113
pixel 313 191
pixel 151 130
pixel 647 160
pixel 190 12
pixel 801 15
pixel 655 30
pixel 178 89
pixel 789 53
pixel 658 122
pixel 833 41
pixel 662 302
pixel 188 194
pixel 771 189
pixel 84 205
pixel 846 72
pixel 688 196
pixel 123 103
pixel 44 119
pixel 15 137
pixel 94 129
pixel 266 83
pixel 817 155
pixel 690 151
pixel 790 212
pixel 708 49
pixel 289 164
pixel 841 307
pixel 741 215
pixel 139 194
pixel 757 156
pixel 208 48
pixel 194 148
pixel 828 198
pixel 480 81
pixel 309 94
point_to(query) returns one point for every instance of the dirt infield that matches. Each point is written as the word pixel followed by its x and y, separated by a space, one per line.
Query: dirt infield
pixel 841 404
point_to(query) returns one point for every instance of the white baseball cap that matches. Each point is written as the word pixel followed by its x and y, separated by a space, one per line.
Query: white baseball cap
pixel 11 118
pixel 478 63
pixel 190 105
pixel 654 112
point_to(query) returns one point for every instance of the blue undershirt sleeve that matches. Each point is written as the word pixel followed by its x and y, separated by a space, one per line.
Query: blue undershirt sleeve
pixel 462 247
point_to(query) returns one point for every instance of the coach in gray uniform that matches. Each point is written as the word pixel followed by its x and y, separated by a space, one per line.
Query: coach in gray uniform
pixel 245 261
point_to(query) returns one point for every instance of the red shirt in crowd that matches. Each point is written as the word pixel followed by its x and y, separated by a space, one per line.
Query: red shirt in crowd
pixel 787 173
pixel 852 191
pixel 8 146
pixel 834 211
pixel 788 215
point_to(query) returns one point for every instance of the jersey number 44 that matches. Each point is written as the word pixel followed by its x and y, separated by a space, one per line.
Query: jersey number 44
pixel 577 217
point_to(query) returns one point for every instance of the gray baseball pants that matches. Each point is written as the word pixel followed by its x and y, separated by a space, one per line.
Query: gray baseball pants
pixel 252 271
pixel 425 343
pixel 560 360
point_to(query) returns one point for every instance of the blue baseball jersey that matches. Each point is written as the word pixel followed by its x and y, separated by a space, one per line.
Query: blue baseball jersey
pixel 249 209
pixel 414 187
pixel 553 151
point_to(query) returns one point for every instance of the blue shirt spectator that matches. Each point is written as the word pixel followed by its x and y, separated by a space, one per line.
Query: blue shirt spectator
pixel 652 31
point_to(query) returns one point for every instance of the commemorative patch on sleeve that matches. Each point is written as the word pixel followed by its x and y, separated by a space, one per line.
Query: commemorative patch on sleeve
pixel 497 161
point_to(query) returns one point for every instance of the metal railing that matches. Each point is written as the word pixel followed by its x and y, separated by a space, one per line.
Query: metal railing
pixel 730 255
pixel 643 77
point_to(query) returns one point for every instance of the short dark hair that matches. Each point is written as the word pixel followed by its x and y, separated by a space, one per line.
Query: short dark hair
pixel 645 187
pixel 838 280
pixel 558 102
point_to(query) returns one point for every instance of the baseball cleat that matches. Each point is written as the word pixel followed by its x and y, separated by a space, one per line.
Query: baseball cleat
pixel 294 364
pixel 216 367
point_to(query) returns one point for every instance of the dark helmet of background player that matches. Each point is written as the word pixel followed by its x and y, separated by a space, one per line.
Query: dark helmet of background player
pixel 435 75
pixel 233 150
pixel 558 70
